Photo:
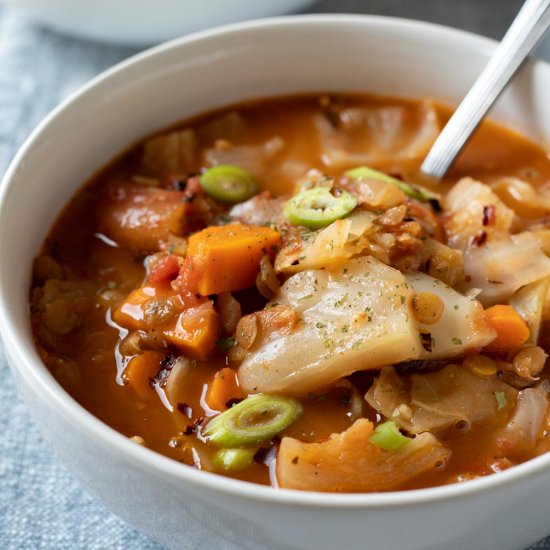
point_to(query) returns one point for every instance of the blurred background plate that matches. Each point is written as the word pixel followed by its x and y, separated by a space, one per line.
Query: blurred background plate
pixel 146 22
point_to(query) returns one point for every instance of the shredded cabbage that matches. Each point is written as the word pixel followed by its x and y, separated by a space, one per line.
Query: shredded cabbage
pixel 437 400
pixel 350 462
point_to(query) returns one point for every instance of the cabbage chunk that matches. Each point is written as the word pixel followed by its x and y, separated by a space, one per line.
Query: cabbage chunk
pixel 522 431
pixel 503 266
pixel 332 245
pixel 171 153
pixel 377 135
pixel 357 316
pixel 349 462
pixel 495 262
pixel 453 395
pixel 462 328
pixel 354 317
pixel 468 205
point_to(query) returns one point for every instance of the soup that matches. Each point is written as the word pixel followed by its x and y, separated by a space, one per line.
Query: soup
pixel 273 292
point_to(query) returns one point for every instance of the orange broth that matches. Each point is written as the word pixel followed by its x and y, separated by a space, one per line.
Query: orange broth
pixel 87 363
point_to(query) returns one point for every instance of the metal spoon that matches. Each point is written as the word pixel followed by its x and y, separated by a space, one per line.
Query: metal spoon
pixel 527 28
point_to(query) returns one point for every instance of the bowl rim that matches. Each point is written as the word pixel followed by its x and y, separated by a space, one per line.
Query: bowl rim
pixel 27 363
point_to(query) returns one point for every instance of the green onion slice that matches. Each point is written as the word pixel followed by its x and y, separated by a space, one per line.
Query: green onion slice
pixel 256 419
pixel 228 183
pixel 234 459
pixel 318 207
pixel 388 437
pixel 413 191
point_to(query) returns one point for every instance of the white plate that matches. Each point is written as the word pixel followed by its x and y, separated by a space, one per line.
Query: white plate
pixel 145 22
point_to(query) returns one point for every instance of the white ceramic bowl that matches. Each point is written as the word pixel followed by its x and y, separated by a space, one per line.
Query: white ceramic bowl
pixel 171 502
pixel 141 22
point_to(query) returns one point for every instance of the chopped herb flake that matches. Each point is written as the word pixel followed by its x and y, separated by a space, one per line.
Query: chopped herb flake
pixel 341 301
pixel 225 344
pixel 319 397
pixel 500 397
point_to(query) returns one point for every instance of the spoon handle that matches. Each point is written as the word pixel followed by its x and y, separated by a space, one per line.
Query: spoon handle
pixel 527 28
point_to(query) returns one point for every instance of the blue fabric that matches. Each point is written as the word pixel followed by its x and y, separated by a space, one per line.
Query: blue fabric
pixel 42 507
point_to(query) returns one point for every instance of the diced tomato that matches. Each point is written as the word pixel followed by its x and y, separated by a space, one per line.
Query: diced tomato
pixel 164 270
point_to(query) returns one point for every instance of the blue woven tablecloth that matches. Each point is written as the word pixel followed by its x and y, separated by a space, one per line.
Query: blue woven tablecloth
pixel 42 507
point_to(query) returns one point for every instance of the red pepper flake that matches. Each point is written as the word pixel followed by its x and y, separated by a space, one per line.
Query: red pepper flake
pixel 489 215
pixel 265 455
pixel 480 238
pixel 427 341
pixel 397 176
pixel 166 366
pixel 185 409
pixel 198 424
pixel 233 401
pixel 190 430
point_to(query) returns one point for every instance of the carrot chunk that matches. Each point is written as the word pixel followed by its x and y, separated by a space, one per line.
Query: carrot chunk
pixel 190 323
pixel 196 331
pixel 141 370
pixel 131 313
pixel 227 258
pixel 223 387
pixel 511 329
pixel 139 217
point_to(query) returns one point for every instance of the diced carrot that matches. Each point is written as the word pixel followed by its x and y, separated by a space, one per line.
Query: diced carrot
pixel 511 329
pixel 227 258
pixel 193 326
pixel 196 331
pixel 223 387
pixel 130 313
pixel 164 270
pixel 141 370
pixel 139 217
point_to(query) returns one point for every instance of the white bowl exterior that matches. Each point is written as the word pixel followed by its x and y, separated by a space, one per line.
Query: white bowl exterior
pixel 170 502
pixel 134 22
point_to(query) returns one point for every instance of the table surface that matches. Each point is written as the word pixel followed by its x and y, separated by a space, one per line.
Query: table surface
pixel 42 506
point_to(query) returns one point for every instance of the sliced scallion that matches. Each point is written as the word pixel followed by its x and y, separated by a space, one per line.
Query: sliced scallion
pixel 228 183
pixel 388 437
pixel 413 191
pixel 234 459
pixel 256 419
pixel 318 207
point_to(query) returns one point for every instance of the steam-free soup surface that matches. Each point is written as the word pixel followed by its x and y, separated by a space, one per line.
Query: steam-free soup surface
pixel 347 331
